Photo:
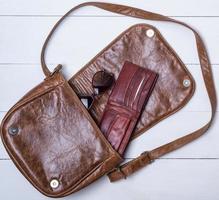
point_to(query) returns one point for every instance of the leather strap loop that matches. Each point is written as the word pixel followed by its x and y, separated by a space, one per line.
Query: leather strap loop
pixel 130 167
pixel 141 161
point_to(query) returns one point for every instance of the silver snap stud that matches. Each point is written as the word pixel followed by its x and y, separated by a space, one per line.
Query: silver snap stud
pixel 13 130
pixel 186 82
pixel 150 33
pixel 54 183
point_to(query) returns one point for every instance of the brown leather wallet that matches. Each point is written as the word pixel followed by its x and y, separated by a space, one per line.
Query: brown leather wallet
pixel 130 93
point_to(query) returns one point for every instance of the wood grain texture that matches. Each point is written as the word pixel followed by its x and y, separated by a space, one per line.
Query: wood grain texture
pixel 188 173
pixel 56 7
pixel 164 179
pixel 76 41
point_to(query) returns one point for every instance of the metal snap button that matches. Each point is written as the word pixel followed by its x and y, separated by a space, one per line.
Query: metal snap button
pixel 54 183
pixel 13 130
pixel 150 33
pixel 186 82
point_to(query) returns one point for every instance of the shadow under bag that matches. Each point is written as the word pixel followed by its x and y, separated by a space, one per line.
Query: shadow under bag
pixel 56 142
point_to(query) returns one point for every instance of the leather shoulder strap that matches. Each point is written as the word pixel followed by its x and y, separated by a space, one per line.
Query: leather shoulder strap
pixel 146 157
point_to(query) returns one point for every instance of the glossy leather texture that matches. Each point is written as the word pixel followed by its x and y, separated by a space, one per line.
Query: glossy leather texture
pixel 167 63
pixel 50 136
pixel 154 53
pixel 129 94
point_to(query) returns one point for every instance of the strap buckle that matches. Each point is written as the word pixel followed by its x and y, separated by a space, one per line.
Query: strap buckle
pixel 118 169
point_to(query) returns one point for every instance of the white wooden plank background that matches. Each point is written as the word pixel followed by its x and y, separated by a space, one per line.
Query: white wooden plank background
pixel 191 172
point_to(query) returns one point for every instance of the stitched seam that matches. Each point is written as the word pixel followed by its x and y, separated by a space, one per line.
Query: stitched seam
pixel 142 89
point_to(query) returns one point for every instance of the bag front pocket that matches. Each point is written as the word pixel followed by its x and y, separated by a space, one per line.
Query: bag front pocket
pixel 55 143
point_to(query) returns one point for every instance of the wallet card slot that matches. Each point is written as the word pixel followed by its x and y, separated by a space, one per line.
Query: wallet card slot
pixel 117 130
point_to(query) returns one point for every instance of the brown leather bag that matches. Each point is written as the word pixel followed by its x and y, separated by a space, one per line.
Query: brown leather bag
pixel 53 140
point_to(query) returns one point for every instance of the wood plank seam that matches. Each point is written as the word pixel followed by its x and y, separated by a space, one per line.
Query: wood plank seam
pixel 40 15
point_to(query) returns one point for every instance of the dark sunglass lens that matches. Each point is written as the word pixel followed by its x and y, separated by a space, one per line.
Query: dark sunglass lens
pixel 102 80
pixel 99 90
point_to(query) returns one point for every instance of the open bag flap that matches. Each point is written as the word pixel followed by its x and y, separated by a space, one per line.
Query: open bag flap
pixel 142 45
